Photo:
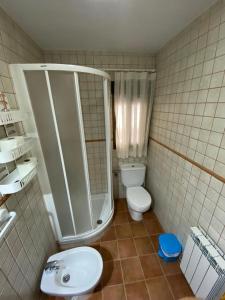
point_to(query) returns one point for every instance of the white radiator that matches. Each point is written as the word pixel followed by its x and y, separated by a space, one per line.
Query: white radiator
pixel 203 266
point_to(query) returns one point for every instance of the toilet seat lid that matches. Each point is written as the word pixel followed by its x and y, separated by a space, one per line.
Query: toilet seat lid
pixel 138 198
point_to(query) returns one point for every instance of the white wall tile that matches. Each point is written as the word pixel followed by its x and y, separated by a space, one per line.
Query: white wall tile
pixel 20 271
pixel 189 117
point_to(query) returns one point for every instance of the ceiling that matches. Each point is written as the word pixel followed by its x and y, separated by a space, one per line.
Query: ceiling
pixel 111 25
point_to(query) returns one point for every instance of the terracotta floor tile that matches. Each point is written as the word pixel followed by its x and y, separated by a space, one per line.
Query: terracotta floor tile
pixel 115 292
pixel 126 248
pixel 153 226
pixel 95 246
pixel 129 254
pixel 130 220
pixel 109 235
pixel 109 250
pixel 138 229
pixel 120 218
pixel 132 270
pixel 170 268
pixel 121 205
pixel 149 215
pixel 151 265
pixel 123 231
pixel 96 295
pixel 137 291
pixel 143 245
pixel 112 273
pixel 92 296
pixel 155 242
pixel 179 286
pixel 158 289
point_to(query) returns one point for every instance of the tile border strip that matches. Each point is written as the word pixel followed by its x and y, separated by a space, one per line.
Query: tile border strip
pixel 94 141
pixel 210 172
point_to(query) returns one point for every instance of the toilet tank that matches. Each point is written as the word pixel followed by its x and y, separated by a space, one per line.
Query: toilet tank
pixel 132 174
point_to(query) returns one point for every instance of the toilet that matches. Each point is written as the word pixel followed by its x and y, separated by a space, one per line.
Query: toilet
pixel 138 199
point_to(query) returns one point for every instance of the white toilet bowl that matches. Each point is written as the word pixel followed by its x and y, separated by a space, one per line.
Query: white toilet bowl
pixel 139 201
pixel 79 272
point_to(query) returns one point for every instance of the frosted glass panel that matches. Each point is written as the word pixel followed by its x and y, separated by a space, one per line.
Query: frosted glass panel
pixel 92 102
pixel 65 103
pixel 80 173
pixel 37 88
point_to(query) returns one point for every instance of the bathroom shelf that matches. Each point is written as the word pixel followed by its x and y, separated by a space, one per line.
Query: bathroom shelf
pixel 15 182
pixel 7 224
pixel 7 156
pixel 11 116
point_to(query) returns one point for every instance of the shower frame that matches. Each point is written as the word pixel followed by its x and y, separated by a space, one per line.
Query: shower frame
pixel 31 129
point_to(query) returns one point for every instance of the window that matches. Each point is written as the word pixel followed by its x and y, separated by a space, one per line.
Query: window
pixel 132 101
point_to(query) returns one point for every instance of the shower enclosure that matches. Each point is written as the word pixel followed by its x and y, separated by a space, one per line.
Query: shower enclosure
pixel 67 109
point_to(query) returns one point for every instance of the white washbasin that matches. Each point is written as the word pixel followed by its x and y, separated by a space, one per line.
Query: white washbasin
pixel 84 266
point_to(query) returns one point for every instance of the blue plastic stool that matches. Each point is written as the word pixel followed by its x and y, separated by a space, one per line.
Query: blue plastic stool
pixel 165 258
pixel 169 247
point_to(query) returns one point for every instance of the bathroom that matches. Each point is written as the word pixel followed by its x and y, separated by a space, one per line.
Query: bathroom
pixel 79 158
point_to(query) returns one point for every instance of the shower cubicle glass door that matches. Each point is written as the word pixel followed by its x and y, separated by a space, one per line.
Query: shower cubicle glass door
pixel 93 113
pixel 71 112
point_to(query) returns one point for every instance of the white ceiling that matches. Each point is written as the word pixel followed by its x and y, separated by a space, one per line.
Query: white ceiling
pixel 113 25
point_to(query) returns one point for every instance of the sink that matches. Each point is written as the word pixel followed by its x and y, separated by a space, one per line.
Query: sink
pixel 80 272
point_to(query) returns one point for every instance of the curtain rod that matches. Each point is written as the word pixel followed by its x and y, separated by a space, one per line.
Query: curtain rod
pixel 130 70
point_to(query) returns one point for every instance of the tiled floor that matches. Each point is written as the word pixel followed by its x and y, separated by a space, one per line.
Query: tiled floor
pixel 132 268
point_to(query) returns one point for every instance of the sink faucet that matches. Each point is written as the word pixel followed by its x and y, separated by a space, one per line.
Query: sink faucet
pixel 53 265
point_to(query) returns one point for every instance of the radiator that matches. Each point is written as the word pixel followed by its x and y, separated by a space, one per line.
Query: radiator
pixel 203 266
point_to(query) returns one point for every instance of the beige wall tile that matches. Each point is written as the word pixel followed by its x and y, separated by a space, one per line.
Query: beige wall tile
pixel 27 246
pixel 189 117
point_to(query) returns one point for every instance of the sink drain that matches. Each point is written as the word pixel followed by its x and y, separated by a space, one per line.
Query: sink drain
pixel 66 278
pixel 99 221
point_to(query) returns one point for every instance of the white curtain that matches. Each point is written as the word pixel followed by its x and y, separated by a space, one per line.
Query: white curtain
pixel 133 106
